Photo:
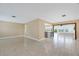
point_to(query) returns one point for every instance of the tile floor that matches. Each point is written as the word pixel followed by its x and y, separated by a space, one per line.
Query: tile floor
pixel 49 47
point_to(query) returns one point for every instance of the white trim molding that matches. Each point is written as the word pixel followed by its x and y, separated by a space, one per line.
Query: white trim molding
pixel 12 36
pixel 25 36
pixel 30 37
pixel 34 38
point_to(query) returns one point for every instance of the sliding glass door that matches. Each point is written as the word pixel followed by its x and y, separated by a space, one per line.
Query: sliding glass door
pixel 61 31
pixel 65 31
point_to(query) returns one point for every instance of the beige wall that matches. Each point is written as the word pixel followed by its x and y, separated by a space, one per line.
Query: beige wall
pixel 11 29
pixel 36 28
pixel 42 28
pixel 32 29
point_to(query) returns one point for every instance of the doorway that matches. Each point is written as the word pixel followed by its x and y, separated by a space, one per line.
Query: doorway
pixel 65 31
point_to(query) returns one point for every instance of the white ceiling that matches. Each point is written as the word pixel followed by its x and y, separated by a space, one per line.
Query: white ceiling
pixel 29 11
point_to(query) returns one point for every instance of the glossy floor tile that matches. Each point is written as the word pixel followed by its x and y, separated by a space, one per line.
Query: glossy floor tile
pixel 49 47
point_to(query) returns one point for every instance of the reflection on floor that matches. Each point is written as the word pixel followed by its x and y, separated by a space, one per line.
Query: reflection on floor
pixel 27 47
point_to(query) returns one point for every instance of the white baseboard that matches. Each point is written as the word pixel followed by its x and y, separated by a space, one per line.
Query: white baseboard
pixel 41 39
pixel 12 36
pixel 29 37
pixel 22 36
pixel 34 38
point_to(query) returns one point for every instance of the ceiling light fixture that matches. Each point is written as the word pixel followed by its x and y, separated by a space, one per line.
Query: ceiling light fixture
pixel 13 16
pixel 63 15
